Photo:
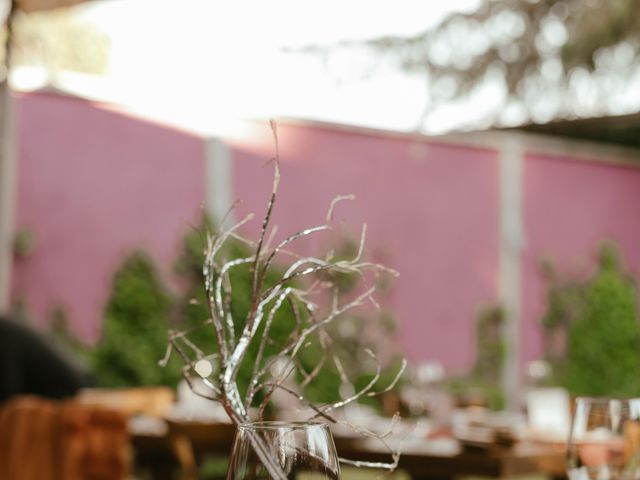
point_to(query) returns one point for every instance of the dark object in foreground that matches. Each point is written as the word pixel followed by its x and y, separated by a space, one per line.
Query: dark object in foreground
pixel 29 365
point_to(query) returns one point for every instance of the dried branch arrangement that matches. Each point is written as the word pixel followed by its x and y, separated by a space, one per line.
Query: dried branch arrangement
pixel 299 288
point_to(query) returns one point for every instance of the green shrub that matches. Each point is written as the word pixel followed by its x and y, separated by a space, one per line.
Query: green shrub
pixel 140 312
pixel 193 311
pixel 134 332
pixel 485 378
pixel 603 356
pixel 600 319
pixel 348 347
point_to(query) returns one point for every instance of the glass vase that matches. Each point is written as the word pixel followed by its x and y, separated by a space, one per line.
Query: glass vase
pixel 283 450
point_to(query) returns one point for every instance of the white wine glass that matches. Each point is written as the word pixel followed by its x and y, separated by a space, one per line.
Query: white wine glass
pixel 604 439
pixel 279 450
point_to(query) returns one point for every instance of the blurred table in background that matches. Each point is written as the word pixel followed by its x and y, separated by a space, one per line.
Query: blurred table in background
pixel 182 445
pixel 187 442
pixel 152 401
pixel 166 438
pixel 446 459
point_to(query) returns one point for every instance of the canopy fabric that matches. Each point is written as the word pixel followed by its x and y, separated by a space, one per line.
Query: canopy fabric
pixel 38 5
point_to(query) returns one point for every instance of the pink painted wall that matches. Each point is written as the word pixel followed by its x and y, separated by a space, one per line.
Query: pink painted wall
pixel 431 209
pixel 570 208
pixel 94 185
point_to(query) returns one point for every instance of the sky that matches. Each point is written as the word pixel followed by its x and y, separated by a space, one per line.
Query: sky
pixel 202 61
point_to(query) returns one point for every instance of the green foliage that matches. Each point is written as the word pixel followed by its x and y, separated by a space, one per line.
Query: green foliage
pixel 603 355
pixel 61 333
pixel 140 312
pixel 485 378
pixel 326 386
pixel 490 346
pixel 345 282
pixel 600 317
pixel 193 306
pixel 491 350
pixel 194 311
pixel 348 343
pixel 134 332
pixel 24 243
pixel 514 42
pixel 386 377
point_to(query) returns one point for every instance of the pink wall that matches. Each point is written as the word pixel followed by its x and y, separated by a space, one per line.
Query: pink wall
pixel 570 208
pixel 431 210
pixel 94 185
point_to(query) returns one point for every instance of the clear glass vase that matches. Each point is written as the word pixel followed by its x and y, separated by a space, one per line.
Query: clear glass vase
pixel 283 450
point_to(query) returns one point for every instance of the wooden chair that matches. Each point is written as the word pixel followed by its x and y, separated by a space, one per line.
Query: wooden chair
pixel 45 440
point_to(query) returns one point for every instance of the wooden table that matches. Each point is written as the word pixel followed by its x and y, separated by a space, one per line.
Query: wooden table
pixel 186 442
pixel 183 446
pixel 425 462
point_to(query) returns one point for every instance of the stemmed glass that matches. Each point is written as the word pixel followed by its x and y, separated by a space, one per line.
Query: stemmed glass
pixel 283 450
pixel 604 440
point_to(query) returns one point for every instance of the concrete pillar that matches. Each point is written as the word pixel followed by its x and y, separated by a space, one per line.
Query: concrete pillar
pixel 7 193
pixel 218 182
pixel 511 246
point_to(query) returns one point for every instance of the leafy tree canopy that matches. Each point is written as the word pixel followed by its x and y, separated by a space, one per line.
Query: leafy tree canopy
pixel 552 58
